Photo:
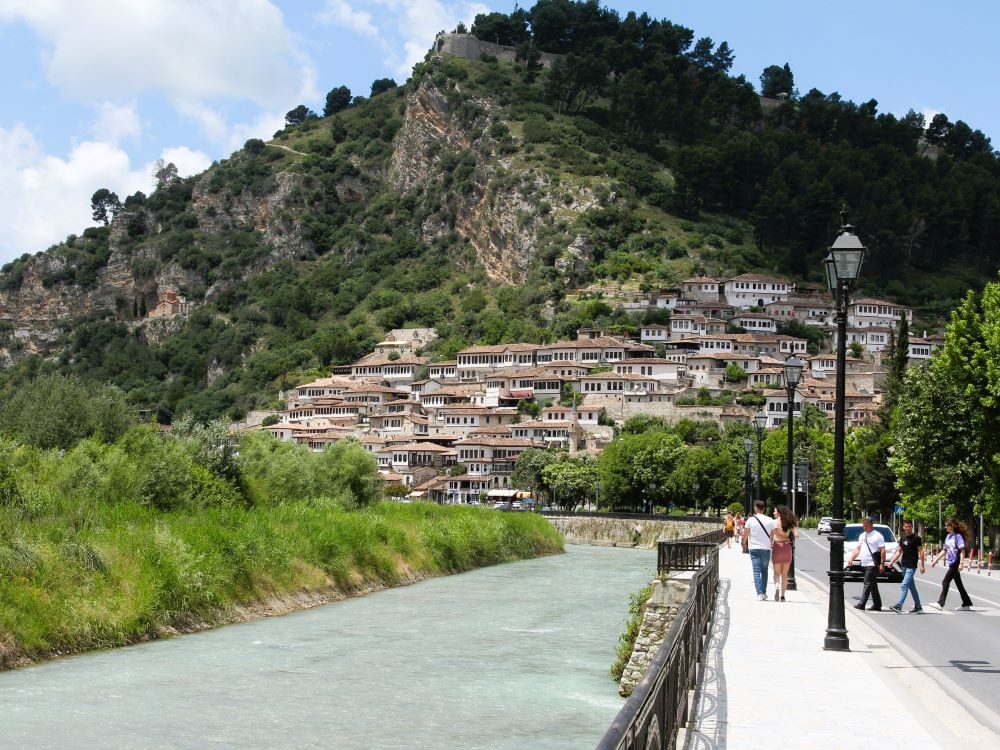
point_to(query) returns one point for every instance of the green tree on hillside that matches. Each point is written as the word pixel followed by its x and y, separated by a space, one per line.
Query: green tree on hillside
pixel 777 79
pixel 299 115
pixel 337 100
pixel 381 85
pixel 105 205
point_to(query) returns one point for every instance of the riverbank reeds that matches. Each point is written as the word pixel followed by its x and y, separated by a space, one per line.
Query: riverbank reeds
pixel 109 544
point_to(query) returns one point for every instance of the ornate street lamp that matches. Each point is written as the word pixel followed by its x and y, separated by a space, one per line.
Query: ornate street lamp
pixel 747 506
pixel 843 265
pixel 759 423
pixel 793 375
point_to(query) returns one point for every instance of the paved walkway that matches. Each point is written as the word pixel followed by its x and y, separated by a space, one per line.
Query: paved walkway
pixel 767 682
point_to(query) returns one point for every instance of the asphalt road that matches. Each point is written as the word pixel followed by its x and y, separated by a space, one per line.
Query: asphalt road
pixel 961 649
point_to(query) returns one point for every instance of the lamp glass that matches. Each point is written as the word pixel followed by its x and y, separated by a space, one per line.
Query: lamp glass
pixel 760 420
pixel 793 371
pixel 747 445
pixel 847 252
pixel 831 273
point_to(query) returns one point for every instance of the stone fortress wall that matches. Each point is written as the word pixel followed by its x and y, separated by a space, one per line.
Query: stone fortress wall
pixel 470 47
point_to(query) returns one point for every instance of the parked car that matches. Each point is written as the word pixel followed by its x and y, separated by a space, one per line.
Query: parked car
pixel 852 533
pixel 823 527
pixel 501 505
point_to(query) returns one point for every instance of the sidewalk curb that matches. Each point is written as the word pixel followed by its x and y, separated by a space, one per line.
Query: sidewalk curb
pixel 940 714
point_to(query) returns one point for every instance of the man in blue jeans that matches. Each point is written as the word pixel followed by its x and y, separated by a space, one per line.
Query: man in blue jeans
pixel 757 532
pixel 911 548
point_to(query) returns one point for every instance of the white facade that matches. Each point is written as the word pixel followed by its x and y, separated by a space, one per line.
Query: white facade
pixel 754 290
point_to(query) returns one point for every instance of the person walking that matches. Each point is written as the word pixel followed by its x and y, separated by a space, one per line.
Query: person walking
pixel 729 529
pixel 911 552
pixel 739 526
pixel 757 534
pixel 786 527
pixel 871 547
pixel 954 549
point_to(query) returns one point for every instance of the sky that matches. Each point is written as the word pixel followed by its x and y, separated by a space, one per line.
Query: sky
pixel 95 92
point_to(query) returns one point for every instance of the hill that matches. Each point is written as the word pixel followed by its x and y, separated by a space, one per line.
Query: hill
pixel 475 196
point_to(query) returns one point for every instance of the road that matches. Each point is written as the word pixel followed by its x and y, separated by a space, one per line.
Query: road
pixel 961 649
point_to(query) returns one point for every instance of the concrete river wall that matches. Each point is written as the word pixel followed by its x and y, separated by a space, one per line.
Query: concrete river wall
pixel 626 532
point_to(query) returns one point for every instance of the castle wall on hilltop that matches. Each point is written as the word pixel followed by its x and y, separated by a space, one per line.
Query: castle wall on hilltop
pixel 470 47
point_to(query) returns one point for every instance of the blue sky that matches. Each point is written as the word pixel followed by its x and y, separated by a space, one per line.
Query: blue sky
pixel 94 92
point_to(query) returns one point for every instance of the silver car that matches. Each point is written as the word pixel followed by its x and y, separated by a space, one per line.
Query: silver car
pixel 823 527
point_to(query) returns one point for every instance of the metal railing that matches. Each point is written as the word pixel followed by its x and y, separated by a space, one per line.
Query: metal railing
pixel 658 707
pixel 687 554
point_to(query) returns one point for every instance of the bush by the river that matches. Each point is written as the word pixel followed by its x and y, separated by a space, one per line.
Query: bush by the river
pixel 108 543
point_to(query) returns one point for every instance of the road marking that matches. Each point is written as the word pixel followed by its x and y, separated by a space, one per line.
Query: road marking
pixel 985 714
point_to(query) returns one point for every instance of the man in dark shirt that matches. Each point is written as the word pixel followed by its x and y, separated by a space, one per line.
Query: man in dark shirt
pixel 911 549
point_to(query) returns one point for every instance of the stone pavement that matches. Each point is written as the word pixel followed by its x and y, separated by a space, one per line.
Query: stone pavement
pixel 766 681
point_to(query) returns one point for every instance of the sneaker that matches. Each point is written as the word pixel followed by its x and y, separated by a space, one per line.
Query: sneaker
pixel 896 608
pixel 860 606
pixel 875 609
pixel 776 595
pixel 916 610
pixel 782 599
pixel 964 608
pixel 939 605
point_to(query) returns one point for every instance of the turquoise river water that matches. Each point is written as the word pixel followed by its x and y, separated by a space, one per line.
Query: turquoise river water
pixel 512 656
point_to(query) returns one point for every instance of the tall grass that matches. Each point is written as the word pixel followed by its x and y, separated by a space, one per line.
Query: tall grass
pixel 104 544
pixel 132 571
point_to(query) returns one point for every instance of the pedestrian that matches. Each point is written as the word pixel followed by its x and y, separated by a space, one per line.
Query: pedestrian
pixel 785 529
pixel 729 529
pixel 739 525
pixel 757 535
pixel 871 547
pixel 954 548
pixel 910 552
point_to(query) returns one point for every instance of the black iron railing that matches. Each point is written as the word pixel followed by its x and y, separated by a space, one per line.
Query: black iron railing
pixel 658 707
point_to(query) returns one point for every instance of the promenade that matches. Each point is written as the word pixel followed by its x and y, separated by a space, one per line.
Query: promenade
pixel 767 682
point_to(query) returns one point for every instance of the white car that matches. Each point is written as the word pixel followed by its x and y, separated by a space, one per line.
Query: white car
pixel 823 527
pixel 852 533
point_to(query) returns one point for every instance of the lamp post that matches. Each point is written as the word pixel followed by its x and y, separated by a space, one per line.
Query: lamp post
pixel 843 265
pixel 747 507
pixel 697 505
pixel 759 423
pixel 793 374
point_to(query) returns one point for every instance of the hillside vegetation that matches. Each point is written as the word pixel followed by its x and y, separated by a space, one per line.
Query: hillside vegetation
pixel 476 195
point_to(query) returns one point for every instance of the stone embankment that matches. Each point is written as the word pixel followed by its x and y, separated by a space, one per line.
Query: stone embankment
pixel 660 612
pixel 626 532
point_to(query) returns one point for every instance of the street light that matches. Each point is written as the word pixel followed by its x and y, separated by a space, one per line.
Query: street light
pixel 793 375
pixel 843 265
pixel 748 449
pixel 759 423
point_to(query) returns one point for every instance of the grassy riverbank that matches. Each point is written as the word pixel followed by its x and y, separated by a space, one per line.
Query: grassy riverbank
pixel 133 572
pixel 104 543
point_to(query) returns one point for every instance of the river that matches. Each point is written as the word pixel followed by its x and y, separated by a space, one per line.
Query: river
pixel 511 656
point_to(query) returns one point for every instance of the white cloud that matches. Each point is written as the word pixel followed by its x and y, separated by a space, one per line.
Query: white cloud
pixel 264 126
pixel 340 13
pixel 187 160
pixel 192 50
pixel 405 28
pixel 116 121
pixel 43 197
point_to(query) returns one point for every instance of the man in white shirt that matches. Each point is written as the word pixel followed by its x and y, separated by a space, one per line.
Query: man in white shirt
pixel 871 548
pixel 757 533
